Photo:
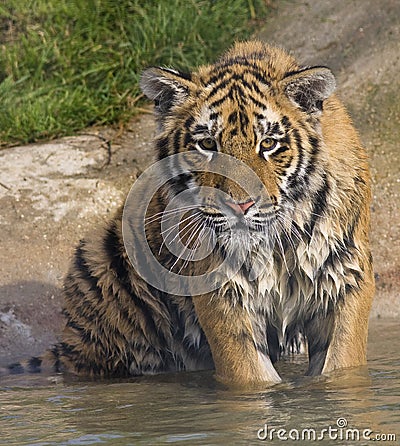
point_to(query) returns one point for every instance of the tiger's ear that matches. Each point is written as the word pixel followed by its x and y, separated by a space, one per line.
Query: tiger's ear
pixel 308 88
pixel 165 87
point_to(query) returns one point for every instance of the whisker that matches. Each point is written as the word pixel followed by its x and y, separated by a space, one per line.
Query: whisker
pixel 282 251
pixel 196 244
pixel 284 222
pixel 195 218
pixel 197 215
pixel 169 213
pixel 291 207
pixel 289 240
pixel 190 227
pixel 198 225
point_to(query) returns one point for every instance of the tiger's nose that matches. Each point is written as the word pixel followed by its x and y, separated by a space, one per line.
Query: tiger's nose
pixel 240 208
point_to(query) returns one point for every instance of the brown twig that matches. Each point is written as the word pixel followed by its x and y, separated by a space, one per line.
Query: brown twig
pixel 5 187
pixel 107 143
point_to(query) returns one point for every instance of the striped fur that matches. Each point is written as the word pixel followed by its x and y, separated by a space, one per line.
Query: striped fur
pixel 308 268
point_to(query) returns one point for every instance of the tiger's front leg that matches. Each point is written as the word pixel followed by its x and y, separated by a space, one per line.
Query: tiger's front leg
pixel 230 335
pixel 349 341
pixel 339 340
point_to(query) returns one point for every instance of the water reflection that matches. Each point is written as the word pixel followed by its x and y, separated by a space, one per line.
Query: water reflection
pixel 193 409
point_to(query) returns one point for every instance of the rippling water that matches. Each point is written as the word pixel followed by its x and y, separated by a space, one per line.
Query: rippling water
pixel 192 409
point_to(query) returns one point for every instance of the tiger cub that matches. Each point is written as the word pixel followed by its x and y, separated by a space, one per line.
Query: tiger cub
pixel 267 176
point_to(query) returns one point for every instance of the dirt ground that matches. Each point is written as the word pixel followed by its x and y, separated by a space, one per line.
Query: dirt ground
pixel 52 194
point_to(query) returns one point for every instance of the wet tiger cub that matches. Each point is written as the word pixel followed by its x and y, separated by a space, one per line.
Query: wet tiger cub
pixel 263 174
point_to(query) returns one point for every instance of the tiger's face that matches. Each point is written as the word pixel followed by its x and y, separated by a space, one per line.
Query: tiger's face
pixel 259 124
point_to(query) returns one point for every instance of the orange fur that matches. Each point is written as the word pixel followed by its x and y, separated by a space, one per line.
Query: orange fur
pixel 306 239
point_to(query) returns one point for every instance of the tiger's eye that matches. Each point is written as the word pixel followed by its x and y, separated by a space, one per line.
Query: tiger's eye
pixel 208 144
pixel 267 145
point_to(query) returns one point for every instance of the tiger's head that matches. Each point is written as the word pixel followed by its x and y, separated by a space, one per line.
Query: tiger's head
pixel 256 106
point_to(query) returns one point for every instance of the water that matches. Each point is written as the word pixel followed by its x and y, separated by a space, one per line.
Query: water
pixel 192 409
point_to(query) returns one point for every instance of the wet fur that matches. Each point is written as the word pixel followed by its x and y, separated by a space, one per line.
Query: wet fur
pixel 315 270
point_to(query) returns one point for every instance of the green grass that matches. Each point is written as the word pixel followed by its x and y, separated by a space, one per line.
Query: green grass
pixel 69 64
